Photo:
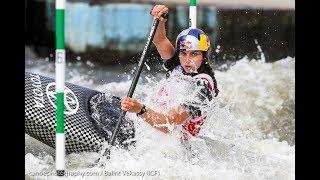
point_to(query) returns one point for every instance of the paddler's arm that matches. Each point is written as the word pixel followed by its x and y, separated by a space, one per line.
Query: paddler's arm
pixel 160 40
pixel 161 122
pixel 157 120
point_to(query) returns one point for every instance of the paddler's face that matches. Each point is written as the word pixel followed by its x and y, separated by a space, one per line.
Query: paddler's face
pixel 190 60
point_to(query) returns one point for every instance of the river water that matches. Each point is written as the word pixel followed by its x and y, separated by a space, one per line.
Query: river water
pixel 250 129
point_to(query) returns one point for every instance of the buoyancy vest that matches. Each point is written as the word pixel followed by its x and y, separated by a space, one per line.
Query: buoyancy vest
pixel 192 125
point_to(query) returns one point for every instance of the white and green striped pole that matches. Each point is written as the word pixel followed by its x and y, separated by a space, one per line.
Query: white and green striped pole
pixel 60 81
pixel 193 13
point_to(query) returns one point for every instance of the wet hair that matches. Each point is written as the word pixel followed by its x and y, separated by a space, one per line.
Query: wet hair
pixel 207 69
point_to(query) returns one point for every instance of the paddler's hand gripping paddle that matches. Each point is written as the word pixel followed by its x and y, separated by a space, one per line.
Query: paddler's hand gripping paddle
pixel 136 77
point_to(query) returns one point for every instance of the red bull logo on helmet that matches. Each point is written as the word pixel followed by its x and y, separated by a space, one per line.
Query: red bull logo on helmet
pixel 192 39
pixel 185 45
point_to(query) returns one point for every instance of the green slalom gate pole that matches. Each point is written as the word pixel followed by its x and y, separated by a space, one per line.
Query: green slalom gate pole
pixel 193 13
pixel 60 82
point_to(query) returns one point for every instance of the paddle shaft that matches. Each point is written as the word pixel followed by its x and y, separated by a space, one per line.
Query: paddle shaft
pixel 136 77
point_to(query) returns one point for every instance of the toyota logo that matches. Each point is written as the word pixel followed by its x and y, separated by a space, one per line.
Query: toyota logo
pixel 71 103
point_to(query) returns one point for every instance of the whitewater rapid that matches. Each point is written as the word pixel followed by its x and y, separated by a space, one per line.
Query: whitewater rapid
pixel 252 123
